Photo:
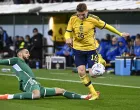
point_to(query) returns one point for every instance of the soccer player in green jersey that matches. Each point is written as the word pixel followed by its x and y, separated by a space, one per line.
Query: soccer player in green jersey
pixel 28 83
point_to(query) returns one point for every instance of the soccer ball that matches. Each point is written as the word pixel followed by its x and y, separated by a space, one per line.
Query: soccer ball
pixel 98 69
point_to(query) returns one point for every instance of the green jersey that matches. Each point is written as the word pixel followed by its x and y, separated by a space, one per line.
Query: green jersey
pixel 22 70
pixel 26 77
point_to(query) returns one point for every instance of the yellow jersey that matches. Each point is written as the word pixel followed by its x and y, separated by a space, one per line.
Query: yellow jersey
pixel 83 32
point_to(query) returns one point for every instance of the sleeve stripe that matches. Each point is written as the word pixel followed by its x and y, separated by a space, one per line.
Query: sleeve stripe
pixel 45 93
pixel 32 96
pixel 68 31
pixel 9 61
pixel 103 26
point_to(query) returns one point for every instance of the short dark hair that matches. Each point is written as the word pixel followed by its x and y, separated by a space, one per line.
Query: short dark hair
pixel 35 29
pixel 19 50
pixel 138 37
pixel 81 7
pixel 50 32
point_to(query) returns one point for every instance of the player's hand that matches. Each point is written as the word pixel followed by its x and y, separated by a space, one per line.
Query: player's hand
pixel 125 34
pixel 69 42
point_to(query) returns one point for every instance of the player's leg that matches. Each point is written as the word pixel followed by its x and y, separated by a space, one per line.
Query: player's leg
pixel 81 61
pixel 71 95
pixel 24 95
pixel 92 58
pixel 101 60
pixel 87 82
pixel 46 92
pixel 32 91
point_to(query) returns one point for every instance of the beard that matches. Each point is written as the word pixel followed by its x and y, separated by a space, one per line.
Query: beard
pixel 26 59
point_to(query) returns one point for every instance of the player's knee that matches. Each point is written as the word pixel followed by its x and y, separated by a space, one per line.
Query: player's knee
pixel 36 94
pixel 81 70
pixel 63 90
pixel 59 90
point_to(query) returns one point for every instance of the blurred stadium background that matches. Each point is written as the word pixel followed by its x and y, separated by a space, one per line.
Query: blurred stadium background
pixel 20 18
pixel 22 21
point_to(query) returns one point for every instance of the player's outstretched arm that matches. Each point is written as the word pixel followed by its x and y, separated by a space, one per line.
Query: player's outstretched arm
pixel 114 30
pixel 10 61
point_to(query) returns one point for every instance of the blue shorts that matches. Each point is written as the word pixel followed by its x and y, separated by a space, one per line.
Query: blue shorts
pixel 85 57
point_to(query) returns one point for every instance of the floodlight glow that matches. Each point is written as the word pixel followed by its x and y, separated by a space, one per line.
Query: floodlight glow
pixel 51 23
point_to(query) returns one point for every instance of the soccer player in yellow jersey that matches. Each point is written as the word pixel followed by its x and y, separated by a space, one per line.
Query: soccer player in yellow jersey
pixel 80 36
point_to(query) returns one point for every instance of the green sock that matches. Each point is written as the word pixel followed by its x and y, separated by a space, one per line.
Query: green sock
pixel 71 95
pixel 24 95
pixel 46 92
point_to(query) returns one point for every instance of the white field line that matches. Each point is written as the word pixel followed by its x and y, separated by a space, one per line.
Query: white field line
pixel 57 73
pixel 65 73
pixel 62 80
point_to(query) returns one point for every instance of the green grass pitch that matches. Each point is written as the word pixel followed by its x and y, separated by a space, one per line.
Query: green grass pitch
pixel 117 92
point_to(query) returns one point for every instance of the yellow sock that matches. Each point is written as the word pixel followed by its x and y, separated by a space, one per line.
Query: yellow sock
pixel 87 82
pixel 101 60
pixel 92 90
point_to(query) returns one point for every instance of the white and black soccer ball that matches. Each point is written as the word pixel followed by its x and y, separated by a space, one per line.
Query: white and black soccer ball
pixel 98 69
